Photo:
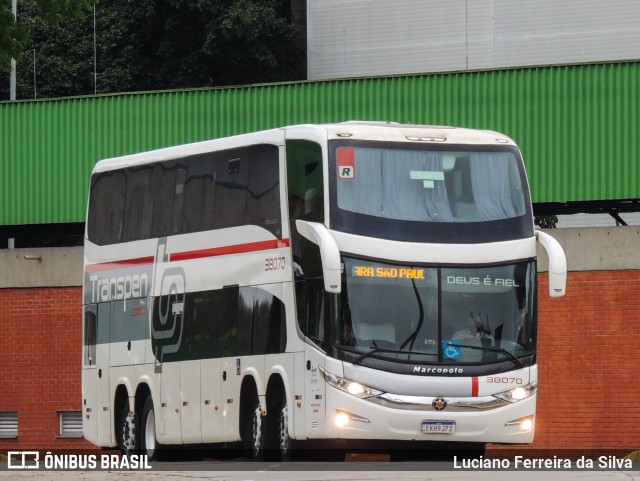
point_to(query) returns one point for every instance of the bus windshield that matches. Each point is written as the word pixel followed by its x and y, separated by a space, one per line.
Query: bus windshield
pixel 393 188
pixel 449 315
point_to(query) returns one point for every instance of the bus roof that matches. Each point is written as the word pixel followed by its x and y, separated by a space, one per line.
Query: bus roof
pixel 357 130
pixel 392 131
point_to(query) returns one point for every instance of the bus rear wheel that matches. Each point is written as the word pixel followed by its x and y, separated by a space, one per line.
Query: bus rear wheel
pixel 257 434
pixel 148 440
pixel 252 427
pixel 126 430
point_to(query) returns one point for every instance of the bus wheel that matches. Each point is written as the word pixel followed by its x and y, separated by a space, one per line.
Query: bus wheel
pixel 148 441
pixel 284 441
pixel 257 433
pixel 127 431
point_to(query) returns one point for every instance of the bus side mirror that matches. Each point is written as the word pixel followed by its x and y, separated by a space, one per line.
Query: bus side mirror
pixel 557 264
pixel 329 253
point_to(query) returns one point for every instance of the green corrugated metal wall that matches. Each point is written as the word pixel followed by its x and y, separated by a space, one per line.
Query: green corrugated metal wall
pixel 578 127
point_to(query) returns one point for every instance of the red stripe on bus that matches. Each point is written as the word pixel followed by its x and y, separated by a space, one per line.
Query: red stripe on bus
pixel 123 264
pixel 199 254
pixel 226 250
pixel 474 386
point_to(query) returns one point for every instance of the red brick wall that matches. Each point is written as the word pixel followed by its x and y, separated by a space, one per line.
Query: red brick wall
pixel 40 359
pixel 588 345
pixel 589 363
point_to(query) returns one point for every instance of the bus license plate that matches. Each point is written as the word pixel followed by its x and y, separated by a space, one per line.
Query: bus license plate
pixel 438 427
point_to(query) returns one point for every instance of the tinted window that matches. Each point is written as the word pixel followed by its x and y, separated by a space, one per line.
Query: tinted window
pixel 168 188
pixel 203 192
pixel 138 205
pixel 261 323
pixel 306 201
pixel 199 192
pixel 304 180
pixel 106 207
pixel 311 309
pixel 218 323
pixel 90 335
pixel 207 328
pixel 428 193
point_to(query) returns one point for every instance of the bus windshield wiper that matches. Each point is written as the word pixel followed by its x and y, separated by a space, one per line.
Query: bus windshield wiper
pixel 500 350
pixel 393 351
pixel 412 337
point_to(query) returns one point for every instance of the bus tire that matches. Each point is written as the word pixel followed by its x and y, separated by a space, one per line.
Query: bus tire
pixel 257 437
pixel 285 443
pixel 126 430
pixel 252 424
pixel 148 440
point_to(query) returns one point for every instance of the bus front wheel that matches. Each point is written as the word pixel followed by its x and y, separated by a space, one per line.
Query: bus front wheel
pixel 148 440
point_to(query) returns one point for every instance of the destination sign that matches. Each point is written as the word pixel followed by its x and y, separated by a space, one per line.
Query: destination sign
pixel 389 272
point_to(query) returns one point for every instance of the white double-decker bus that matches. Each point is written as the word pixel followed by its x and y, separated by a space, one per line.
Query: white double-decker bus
pixel 354 281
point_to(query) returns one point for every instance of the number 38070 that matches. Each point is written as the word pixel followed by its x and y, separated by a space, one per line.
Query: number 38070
pixel 503 380
pixel 274 263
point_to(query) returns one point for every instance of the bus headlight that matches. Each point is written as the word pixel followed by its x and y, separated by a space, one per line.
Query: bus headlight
pixel 352 387
pixel 518 394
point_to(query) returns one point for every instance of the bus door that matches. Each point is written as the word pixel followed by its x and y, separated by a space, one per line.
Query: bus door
pixel 190 413
pixel 315 308
pixel 314 393
pixel 230 399
pixel 216 321
pixel 211 405
pixel 104 406
pixel 230 378
pixel 90 374
pixel 167 328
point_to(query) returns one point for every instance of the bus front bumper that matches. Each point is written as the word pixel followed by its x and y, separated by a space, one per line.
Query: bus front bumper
pixel 437 419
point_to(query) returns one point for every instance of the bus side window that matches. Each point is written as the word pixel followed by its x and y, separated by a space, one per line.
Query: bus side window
pixel 310 309
pixel 304 180
pixel 199 194
pixel 168 189
pixel 106 207
pixel 306 201
pixel 90 335
pixel 261 323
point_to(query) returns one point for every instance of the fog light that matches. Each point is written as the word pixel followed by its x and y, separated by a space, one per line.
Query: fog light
pixel 342 419
pixel 526 424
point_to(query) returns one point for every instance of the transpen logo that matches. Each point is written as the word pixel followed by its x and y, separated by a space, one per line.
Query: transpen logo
pixel 118 288
pixel 168 313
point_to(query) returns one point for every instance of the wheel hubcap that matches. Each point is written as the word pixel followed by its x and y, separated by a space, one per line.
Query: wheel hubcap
pixel 150 433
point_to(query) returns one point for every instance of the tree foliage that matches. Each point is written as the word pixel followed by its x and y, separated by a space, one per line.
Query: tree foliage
pixel 157 44
pixel 13 34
